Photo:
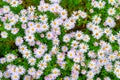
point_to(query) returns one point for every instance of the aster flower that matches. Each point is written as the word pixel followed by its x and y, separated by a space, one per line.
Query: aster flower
pixel 76 59
pixel 52 8
pixel 110 22
pixel 112 57
pixel 97 34
pixel 6 9
pixel 56 71
pixel 23 12
pixel 90 26
pixel 1 12
pixel 83 72
pixel 29 38
pixel 74 75
pixel 2 60
pixel 43 46
pixel 63 65
pixel 7 26
pixel 49 35
pixel 83 14
pixel 14 30
pixel 31 71
pixel 83 47
pixel 44 27
pixel 64 48
pixel 111 11
pixel 54 23
pixel 61 56
pixel 39 53
pixel 66 78
pixel 79 35
pixel 107 78
pixel 4 34
pixel 112 38
pixel 63 14
pixel 96 19
pixel 10 57
pixel 66 38
pixel 31 9
pixel 42 65
pixel 101 54
pixel 32 30
pixel 23 19
pixel 15 77
pixel 20 70
pixel 112 2
pixel 86 38
pixel 43 18
pixel 38 74
pixel 31 61
pixel 43 6
pixel 92 64
pixel 19 41
pixel 47 57
pixel 71 54
pixel 90 74
pixel 107 31
pixel 27 77
pixel 108 67
pixel 22 48
pixel 14 3
pixel 101 4
pixel 74 44
pixel 26 53
pixel 6 74
pixel 56 30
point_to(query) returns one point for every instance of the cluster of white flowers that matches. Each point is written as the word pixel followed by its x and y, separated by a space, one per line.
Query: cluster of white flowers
pixel 79 48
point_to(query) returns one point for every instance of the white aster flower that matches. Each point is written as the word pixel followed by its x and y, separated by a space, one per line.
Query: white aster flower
pixel 10 57
pixel 31 61
pixel 112 2
pixel 47 57
pixel 2 60
pixel 79 35
pixel 31 71
pixel 83 47
pixel 42 65
pixel 4 34
pixel 6 74
pixel 14 3
pixel 96 19
pixel 15 76
pixel 110 22
pixel 111 11
pixel 6 9
pixel 18 41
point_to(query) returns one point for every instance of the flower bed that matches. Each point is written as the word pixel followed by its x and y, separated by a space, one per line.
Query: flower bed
pixel 60 39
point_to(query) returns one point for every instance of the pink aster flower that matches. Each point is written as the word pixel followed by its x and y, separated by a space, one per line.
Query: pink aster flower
pixel 38 42
pixel 1 11
pixel 34 49
pixel 42 35
pixel 24 26
pixel 20 1
pixel 117 17
pixel 3 19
